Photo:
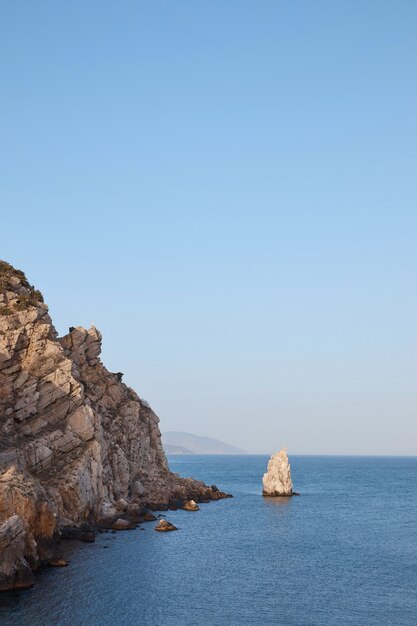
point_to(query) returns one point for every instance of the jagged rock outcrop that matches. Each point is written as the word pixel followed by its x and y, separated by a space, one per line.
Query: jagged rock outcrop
pixel 76 445
pixel 277 480
pixel 15 571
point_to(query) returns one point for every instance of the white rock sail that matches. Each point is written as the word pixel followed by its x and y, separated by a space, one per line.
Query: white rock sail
pixel 277 480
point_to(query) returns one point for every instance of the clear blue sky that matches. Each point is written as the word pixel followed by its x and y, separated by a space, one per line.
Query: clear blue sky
pixel 227 189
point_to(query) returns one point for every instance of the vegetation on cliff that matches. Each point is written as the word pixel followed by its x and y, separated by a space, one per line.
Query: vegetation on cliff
pixel 17 294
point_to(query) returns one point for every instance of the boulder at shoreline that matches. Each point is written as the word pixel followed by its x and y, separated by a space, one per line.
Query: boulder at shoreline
pixel 163 526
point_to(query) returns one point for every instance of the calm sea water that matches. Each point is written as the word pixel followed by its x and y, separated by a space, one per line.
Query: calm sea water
pixel 344 552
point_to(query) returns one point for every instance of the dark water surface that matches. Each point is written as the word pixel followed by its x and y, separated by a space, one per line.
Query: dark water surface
pixel 344 552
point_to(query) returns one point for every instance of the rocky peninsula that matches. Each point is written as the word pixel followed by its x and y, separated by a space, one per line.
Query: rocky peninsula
pixel 79 449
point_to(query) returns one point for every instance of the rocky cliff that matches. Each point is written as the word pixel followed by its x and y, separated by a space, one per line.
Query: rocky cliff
pixel 77 446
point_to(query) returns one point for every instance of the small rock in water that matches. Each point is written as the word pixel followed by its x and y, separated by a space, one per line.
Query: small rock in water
pixel 190 505
pixel 277 480
pixel 163 525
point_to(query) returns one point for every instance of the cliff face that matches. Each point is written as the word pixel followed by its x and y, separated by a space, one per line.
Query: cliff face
pixel 76 444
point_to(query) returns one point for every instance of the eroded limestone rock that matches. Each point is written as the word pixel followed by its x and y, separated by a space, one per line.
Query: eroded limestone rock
pixel 277 480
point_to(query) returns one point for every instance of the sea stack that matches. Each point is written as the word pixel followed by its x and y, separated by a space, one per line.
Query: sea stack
pixel 277 480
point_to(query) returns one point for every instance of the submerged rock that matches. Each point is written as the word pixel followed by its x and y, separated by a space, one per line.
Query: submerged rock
pixel 277 480
pixel 163 525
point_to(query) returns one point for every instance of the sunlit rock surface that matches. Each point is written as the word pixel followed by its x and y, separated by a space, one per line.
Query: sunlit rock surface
pixel 277 480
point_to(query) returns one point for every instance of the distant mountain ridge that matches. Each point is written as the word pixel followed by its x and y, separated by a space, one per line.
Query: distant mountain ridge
pixel 169 449
pixel 176 442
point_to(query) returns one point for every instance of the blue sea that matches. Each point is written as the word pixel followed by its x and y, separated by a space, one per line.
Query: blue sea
pixel 343 552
